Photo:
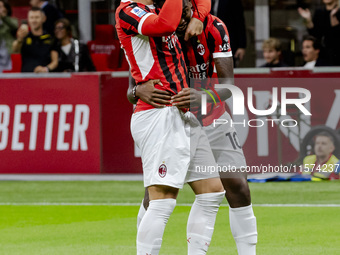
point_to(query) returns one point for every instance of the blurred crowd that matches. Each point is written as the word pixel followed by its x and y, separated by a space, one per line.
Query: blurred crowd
pixel 46 43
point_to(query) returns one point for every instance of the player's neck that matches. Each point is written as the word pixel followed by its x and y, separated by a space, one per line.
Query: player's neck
pixel 146 2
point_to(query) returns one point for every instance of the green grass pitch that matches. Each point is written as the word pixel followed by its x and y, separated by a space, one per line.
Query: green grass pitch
pixel 100 218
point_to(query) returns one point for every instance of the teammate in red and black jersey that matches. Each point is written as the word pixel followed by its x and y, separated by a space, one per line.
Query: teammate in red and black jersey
pixel 163 135
pixel 203 54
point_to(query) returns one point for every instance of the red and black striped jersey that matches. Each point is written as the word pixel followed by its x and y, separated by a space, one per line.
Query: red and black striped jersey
pixel 150 57
pixel 200 53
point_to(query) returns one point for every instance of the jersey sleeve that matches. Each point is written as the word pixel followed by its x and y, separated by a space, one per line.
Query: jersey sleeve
pixel 201 8
pixel 132 17
pixel 218 36
pixel 136 20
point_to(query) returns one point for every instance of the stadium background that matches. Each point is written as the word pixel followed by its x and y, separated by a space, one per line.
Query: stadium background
pixel 74 214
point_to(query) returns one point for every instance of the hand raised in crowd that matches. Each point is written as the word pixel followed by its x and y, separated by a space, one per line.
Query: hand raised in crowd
pixel 186 98
pixel 22 32
pixel 195 27
pixel 333 17
pixel 307 15
pixel 152 96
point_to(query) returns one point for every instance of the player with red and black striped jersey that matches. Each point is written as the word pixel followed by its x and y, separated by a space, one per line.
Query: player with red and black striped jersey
pixel 165 135
pixel 207 56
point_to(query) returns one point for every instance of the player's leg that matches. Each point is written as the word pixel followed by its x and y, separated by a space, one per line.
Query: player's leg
pixel 151 229
pixel 162 138
pixel 241 215
pixel 143 207
pixel 209 192
pixel 228 152
pixel 209 195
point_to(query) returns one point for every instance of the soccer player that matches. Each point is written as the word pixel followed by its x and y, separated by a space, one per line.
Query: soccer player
pixel 213 45
pixel 165 135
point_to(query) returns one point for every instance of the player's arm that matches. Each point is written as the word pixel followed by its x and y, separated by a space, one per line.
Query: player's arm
pixel 148 93
pixel 163 24
pixel 192 97
pixel 201 9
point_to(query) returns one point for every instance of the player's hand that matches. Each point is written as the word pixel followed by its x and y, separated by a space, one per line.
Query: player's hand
pixel 41 69
pixel 194 28
pixel 152 96
pixel 305 13
pixel 22 32
pixel 240 53
pixel 187 97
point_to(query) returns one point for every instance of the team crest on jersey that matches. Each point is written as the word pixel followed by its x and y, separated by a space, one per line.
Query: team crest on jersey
pixel 138 12
pixel 162 170
pixel 226 38
pixel 201 49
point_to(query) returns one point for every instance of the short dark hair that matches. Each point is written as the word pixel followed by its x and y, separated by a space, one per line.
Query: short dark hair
pixel 7 7
pixel 36 9
pixel 323 133
pixel 316 42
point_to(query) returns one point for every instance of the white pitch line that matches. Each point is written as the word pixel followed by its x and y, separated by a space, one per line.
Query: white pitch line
pixel 138 204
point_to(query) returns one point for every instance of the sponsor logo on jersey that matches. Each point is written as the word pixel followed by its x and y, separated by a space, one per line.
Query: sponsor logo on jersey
pixel 226 39
pixel 201 49
pixel 162 170
pixel 138 12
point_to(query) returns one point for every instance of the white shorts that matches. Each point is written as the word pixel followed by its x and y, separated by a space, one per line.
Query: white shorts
pixel 172 144
pixel 225 144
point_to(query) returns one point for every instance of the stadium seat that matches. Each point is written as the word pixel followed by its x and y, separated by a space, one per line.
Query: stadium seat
pixel 106 43
pixel 20 12
pixel 16 64
pixel 100 61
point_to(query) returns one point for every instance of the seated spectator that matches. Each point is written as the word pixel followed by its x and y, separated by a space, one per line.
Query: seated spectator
pixel 8 28
pixel 36 47
pixel 73 56
pixel 311 52
pixel 321 165
pixel 52 14
pixel 272 53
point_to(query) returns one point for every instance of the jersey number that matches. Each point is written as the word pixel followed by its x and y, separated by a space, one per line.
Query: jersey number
pixel 233 139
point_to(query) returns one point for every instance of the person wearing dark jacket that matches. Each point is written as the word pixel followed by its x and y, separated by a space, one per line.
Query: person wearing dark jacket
pixel 311 53
pixel 325 26
pixel 52 14
pixel 73 56
pixel 231 13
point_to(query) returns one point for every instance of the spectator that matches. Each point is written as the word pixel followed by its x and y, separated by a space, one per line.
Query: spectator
pixel 35 47
pixel 311 52
pixel 52 14
pixel 325 26
pixel 272 53
pixel 8 28
pixel 73 56
pixel 321 165
pixel 231 13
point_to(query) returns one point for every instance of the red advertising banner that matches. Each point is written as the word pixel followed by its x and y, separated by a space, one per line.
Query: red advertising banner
pixel 50 124
pixel 81 123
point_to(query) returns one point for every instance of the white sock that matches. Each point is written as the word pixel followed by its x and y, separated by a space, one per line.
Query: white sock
pixel 151 228
pixel 243 228
pixel 141 214
pixel 201 222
